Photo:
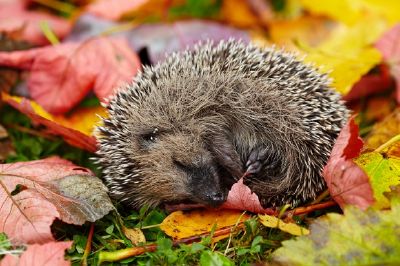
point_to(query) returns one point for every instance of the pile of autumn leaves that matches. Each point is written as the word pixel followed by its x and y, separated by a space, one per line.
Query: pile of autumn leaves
pixel 359 176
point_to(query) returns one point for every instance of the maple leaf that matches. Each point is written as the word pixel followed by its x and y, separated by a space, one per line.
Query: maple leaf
pixel 51 253
pixel 34 193
pixel 347 183
pixel 62 75
pixel 71 133
pixel 389 46
pixel 14 17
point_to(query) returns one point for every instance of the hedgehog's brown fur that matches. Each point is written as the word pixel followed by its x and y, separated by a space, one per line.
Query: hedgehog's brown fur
pixel 188 128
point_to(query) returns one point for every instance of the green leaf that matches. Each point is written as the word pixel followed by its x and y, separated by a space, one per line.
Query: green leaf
pixel 369 237
pixel 209 258
pixel 383 169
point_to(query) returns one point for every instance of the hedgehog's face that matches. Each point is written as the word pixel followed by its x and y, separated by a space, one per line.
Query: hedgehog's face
pixel 179 165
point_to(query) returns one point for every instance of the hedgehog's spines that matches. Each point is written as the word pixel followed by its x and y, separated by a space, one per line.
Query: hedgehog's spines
pixel 306 117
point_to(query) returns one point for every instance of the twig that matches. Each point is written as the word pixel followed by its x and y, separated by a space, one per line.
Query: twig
pixel 31 131
pixel 88 246
pixel 310 208
pixel 135 251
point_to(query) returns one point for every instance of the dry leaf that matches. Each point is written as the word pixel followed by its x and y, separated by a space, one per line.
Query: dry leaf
pixel 135 235
pixel 274 222
pixel 384 130
pixel 34 193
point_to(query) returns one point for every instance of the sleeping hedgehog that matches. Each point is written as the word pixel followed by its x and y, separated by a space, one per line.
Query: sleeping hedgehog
pixel 186 129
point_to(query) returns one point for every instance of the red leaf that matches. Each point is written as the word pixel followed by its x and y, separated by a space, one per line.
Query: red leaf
pixel 51 253
pixel 71 136
pixel 62 75
pixel 370 84
pixel 389 46
pixel 110 9
pixel 348 183
pixel 27 213
pixel 15 17
pixel 240 197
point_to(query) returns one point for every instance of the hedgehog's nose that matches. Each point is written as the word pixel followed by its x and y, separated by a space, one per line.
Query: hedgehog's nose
pixel 215 199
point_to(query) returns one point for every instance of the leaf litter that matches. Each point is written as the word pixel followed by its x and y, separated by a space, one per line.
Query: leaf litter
pixel 356 43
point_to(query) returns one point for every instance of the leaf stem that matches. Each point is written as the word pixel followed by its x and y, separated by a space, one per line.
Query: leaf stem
pixel 88 246
pixel 388 143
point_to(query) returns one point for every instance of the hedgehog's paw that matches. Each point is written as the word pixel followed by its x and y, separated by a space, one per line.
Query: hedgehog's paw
pixel 255 161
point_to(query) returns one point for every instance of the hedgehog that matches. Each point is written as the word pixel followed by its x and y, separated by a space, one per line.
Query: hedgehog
pixel 186 129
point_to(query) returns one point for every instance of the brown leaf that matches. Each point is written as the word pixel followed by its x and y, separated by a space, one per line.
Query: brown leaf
pixel 51 253
pixel 135 235
pixel 384 130
pixel 34 193
pixel 347 182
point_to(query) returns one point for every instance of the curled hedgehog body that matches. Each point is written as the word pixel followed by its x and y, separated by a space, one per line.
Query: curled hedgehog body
pixel 191 126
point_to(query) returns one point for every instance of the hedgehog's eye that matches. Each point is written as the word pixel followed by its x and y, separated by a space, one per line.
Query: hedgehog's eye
pixel 150 137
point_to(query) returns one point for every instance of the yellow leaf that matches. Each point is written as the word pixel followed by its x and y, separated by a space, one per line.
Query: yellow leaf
pixel 180 224
pixel 83 119
pixel 348 53
pixel 352 11
pixel 274 222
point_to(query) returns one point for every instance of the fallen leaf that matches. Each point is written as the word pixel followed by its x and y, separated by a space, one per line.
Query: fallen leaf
pixel 34 193
pixel 347 182
pixel 62 75
pixel 305 29
pixel 384 130
pixel 3 132
pixel 348 53
pixel 51 253
pixel 180 224
pixel 135 235
pixel 389 46
pixel 14 16
pixel 238 13
pixel 55 124
pixel 163 39
pixel 112 10
pixel 383 169
pixel 370 84
pixel 356 238
pixel 274 222
pixel 352 11
pixel 241 197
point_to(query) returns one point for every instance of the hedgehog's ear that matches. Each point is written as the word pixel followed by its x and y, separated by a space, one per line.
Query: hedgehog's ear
pixel 225 153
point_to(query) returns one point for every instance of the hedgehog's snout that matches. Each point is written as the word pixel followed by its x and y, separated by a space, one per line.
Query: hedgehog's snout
pixel 204 180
